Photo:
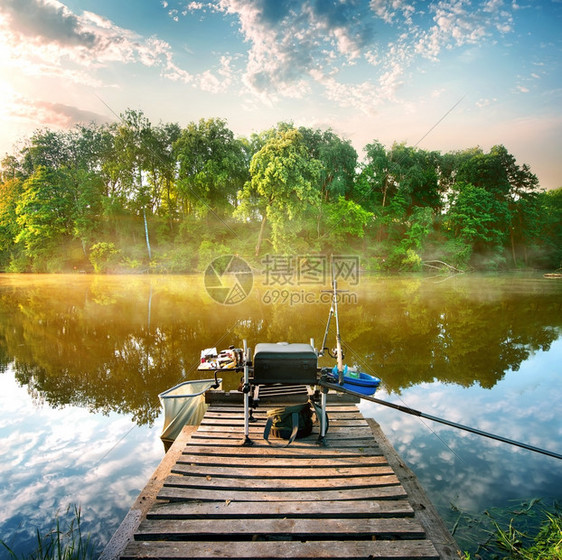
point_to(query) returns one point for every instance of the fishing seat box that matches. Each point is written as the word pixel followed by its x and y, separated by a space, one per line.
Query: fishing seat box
pixel 294 364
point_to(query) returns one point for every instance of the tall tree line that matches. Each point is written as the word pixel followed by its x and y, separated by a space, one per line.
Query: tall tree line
pixel 139 196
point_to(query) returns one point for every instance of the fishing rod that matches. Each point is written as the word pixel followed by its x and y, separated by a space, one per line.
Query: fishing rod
pixel 407 410
pixel 334 313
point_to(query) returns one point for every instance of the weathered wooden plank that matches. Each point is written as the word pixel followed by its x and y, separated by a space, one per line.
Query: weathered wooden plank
pixel 295 485
pixel 321 510
pixel 309 529
pixel 335 432
pixel 336 550
pixel 291 451
pixel 314 472
pixel 217 412
pixel 348 431
pixel 228 500
pixel 274 462
pixel 231 439
pixel 175 493
pixel 236 421
pixel 343 425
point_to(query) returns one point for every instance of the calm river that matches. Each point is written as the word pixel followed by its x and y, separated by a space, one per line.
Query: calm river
pixel 83 358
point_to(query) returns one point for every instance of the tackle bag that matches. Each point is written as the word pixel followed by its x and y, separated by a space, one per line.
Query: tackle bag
pixel 290 422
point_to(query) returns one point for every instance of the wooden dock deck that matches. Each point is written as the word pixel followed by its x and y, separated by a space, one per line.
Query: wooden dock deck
pixel 214 498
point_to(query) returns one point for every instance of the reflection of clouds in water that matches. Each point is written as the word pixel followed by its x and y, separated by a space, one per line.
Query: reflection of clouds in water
pixel 471 471
pixel 53 459
pixel 50 459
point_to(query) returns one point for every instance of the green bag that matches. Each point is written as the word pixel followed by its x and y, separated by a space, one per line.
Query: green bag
pixel 289 423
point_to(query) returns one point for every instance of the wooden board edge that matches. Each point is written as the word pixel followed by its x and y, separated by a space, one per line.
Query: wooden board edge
pixel 424 509
pixel 147 497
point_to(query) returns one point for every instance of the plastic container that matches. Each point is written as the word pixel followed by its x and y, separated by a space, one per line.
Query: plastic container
pixel 361 383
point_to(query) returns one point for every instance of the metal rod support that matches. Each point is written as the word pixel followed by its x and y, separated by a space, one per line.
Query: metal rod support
pixel 246 393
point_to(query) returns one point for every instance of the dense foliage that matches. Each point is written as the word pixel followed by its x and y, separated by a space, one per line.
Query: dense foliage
pixel 133 195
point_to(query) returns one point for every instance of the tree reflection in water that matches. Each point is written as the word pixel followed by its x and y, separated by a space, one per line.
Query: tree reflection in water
pixel 114 343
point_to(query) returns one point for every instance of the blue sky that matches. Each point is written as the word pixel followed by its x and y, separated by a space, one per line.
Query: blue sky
pixel 444 75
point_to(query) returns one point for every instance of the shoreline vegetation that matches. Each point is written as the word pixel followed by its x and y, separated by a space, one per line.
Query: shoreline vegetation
pixel 132 196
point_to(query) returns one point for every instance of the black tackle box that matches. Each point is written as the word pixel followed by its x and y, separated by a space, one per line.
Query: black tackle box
pixel 285 363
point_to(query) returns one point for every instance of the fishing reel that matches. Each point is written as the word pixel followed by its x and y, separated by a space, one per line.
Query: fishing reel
pixel 333 353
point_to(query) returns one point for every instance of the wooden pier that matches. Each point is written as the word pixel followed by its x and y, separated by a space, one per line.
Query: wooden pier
pixel 214 498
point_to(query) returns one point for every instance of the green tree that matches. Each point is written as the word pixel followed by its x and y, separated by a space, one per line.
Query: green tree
pixel 282 182
pixel 10 192
pixel 473 218
pixel 161 165
pixel 551 230
pixel 75 156
pixel 378 178
pixel 44 214
pixel 339 161
pixel 87 192
pixel 513 187
pixel 345 219
pixel 133 140
pixel 46 148
pixel 212 167
pixel 487 171
pixel 103 256
pixel 406 254
pixel 416 173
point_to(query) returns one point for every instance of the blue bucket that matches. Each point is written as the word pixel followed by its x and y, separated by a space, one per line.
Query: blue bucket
pixel 364 384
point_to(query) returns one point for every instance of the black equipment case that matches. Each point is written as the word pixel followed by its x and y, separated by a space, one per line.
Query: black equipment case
pixel 285 363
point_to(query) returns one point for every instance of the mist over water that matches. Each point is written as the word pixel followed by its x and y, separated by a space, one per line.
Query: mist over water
pixel 83 359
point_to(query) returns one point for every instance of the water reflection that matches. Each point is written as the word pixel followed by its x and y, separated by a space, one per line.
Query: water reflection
pixel 463 472
pixel 54 459
pixel 83 359
pixel 113 343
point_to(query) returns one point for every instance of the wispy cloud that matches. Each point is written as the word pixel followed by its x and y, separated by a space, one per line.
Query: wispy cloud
pixel 290 39
pixel 458 23
pixel 55 114
pixel 295 45
pixel 46 37
pixel 390 10
pixel 47 22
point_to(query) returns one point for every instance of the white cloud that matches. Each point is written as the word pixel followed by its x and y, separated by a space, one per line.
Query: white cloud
pixel 44 37
pixel 363 97
pixel 485 102
pixel 292 45
pixel 457 23
pixel 492 5
pixel 289 39
pixel 388 10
